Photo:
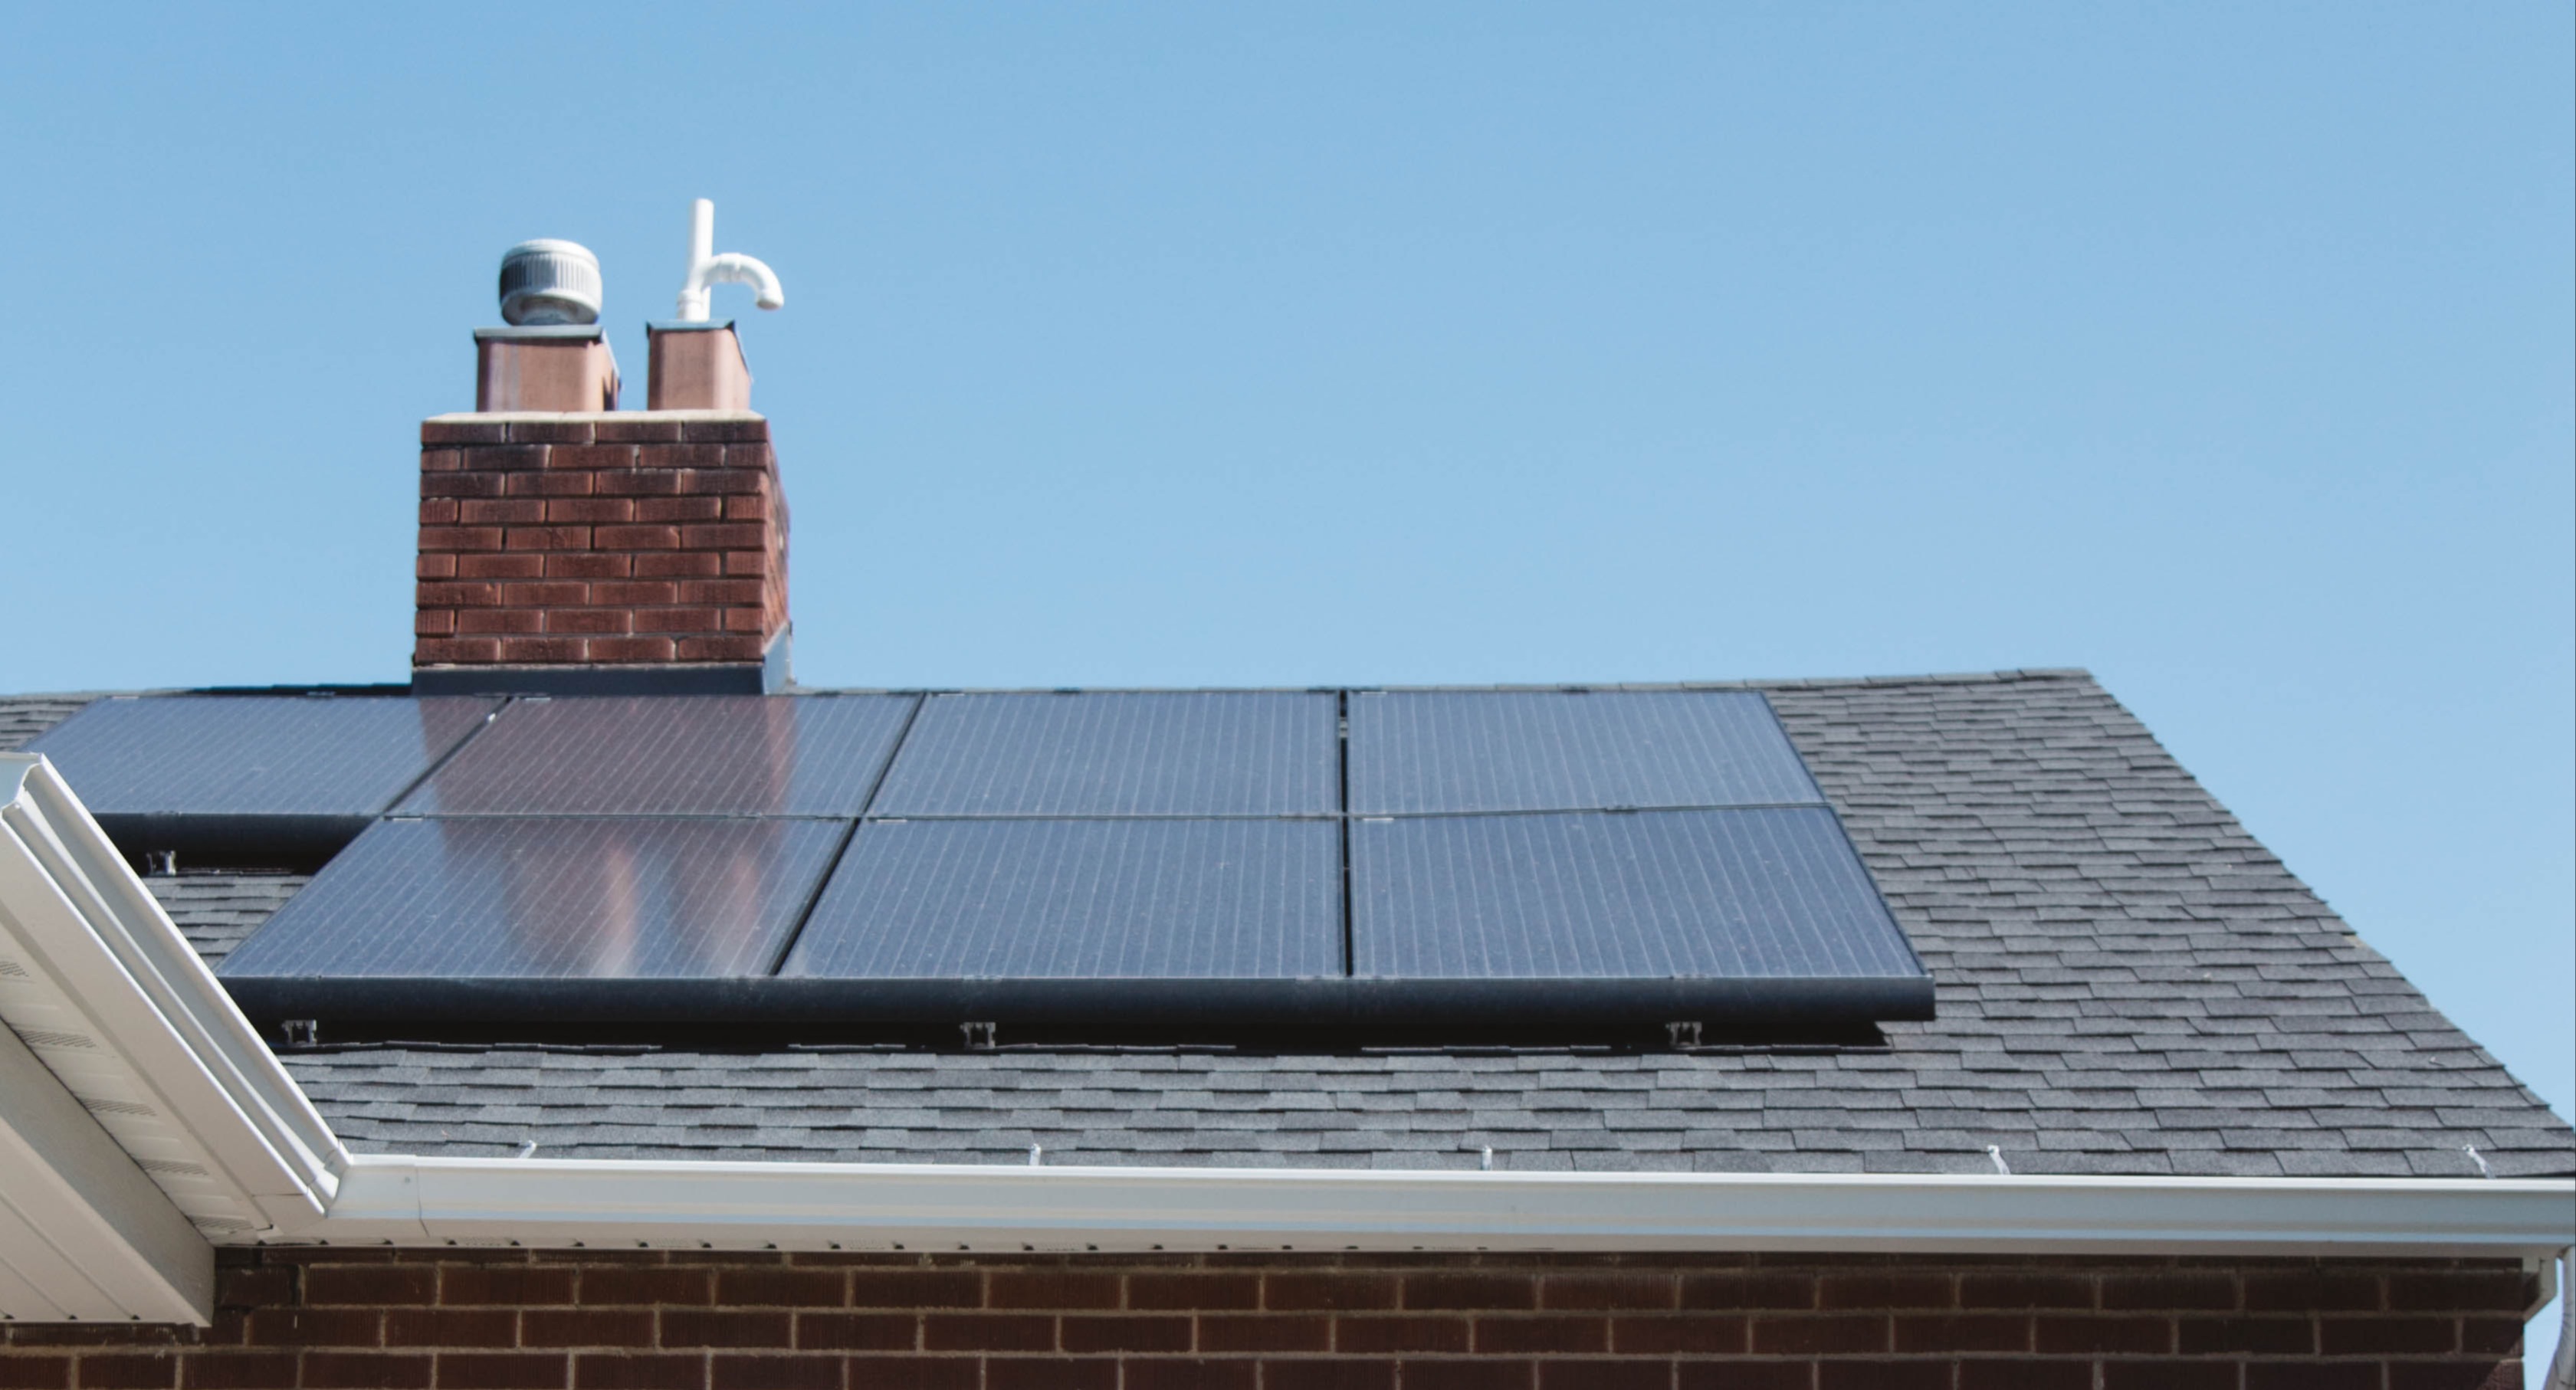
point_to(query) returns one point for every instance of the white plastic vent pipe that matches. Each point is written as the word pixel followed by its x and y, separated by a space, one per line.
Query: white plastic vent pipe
pixel 707 269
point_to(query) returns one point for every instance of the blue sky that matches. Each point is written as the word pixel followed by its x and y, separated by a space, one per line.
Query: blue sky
pixel 2224 350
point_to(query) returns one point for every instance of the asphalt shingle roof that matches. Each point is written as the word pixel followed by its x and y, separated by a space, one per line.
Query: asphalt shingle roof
pixel 2128 983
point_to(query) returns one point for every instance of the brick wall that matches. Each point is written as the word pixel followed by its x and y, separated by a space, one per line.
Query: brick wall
pixel 342 1317
pixel 636 537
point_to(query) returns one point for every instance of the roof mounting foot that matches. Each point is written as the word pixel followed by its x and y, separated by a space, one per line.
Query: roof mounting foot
pixel 981 1036
pixel 1685 1034
pixel 302 1032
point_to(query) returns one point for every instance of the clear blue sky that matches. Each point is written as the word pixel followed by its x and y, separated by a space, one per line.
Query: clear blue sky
pixel 2225 350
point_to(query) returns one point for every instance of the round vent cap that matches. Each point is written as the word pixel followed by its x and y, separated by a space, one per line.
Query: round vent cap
pixel 549 282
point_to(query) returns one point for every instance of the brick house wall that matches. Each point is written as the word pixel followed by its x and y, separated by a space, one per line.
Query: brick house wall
pixel 615 539
pixel 514 1318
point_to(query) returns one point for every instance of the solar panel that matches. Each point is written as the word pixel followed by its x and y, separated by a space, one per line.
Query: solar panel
pixel 1749 894
pixel 1217 753
pixel 545 899
pixel 1431 752
pixel 744 755
pixel 251 772
pixel 1080 899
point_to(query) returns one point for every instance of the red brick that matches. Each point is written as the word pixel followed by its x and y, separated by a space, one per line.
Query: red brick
pixel 585 1327
pixel 1600 1292
pixel 1744 1375
pixel 507 458
pixel 542 649
pixel 718 648
pixel 1478 1291
pixel 2379 1336
pixel 637 482
pixel 1132 1332
pixel 24 1372
pixel 552 484
pixel 1963 1332
pixel 438 511
pixel 628 1371
pixel 742 507
pixel 720 535
pixel 433 622
pixel 1835 1333
pixel 707 482
pixel 441 565
pixel 358 1370
pixel 1886 1289
pixel 550 431
pixel 1050 1288
pixel 1049 1373
pixel 1466 1375
pixel 747 562
pixel 752 620
pixel 749 456
pixel 1258 1333
pixel 2311 1375
pixel 1544 1333
pixel 1882 1375
pixel 1232 1291
pixel 2473 1291
pixel 2019 1289
pixel 156 1370
pixel 679 620
pixel 1328 1375
pixel 749 429
pixel 462 432
pixel 588 509
pixel 460 538
pixel 680 1286
pixel 676 564
pixel 1392 1334
pixel 679 508
pixel 775 1373
pixel 520 1285
pixel 783 1288
pixel 1176 1374
pixel 636 429
pixel 369 1284
pixel 500 566
pixel 915 1372
pixel 634 593
pixel 552 538
pixel 1327 1292
pixel 501 511
pixel 1717 1334
pixel 747 591
pixel 233 1370
pixel 639 537
pixel 607 622
pixel 2237 1336
pixel 499 621
pixel 987 1332
pixel 2481 1374
pixel 680 456
pixel 2169 1290
pixel 1604 1375
pixel 545 593
pixel 519 1370
pixel 2065 1332
pixel 451 1327
pixel 857 1331
pixel 437 651
pixel 692 1327
pixel 2311 1290
pixel 614 649
pixel 2033 1375
pixel 253 1286
pixel 591 457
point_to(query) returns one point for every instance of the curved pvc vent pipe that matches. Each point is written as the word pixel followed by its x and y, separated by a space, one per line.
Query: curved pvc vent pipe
pixel 707 269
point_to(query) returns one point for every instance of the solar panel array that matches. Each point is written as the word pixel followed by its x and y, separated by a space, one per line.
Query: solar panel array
pixel 1267 857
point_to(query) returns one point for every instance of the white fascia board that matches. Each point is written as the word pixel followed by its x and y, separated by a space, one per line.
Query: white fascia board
pixel 113 1001
pixel 813 1206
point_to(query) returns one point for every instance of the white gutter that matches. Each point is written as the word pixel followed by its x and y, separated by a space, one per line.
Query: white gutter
pixel 815 1206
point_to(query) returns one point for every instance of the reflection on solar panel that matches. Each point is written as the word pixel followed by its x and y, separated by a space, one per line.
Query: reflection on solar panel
pixel 1758 894
pixel 251 771
pixel 744 755
pixel 1430 752
pixel 569 899
pixel 1214 753
pixel 1028 899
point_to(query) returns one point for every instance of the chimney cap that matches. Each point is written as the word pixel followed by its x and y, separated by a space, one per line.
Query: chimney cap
pixel 547 282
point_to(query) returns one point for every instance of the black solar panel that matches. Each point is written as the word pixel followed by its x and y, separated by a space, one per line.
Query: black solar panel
pixel 1228 753
pixel 251 772
pixel 1431 752
pixel 1081 899
pixel 744 755
pixel 551 899
pixel 1750 894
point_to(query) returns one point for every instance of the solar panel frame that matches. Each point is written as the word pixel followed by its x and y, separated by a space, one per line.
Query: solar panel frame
pixel 426 915
pixel 672 755
pixel 1445 752
pixel 293 775
pixel 1119 753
